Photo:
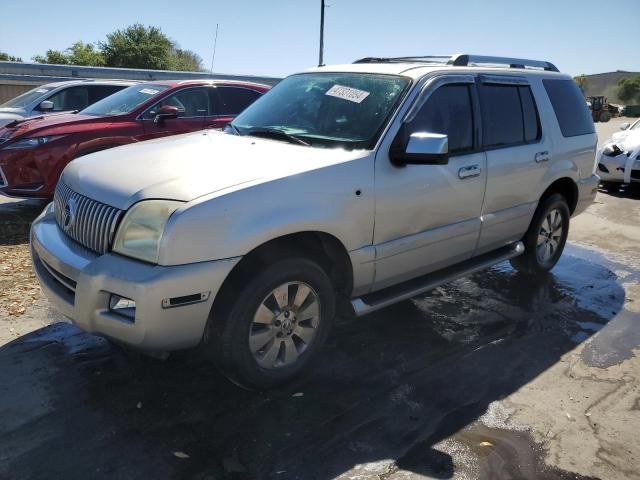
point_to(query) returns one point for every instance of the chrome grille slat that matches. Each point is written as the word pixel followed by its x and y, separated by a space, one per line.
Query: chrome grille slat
pixel 95 222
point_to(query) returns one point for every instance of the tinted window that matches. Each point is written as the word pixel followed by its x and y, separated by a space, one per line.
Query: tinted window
pixel 232 101
pixel 529 115
pixel 570 108
pixel 72 98
pixel 98 92
pixel 192 102
pixel 501 115
pixel 448 110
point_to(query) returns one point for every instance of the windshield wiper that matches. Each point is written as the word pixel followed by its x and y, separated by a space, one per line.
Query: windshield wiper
pixel 234 128
pixel 276 133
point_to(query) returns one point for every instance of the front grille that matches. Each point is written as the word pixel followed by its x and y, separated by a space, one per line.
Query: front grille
pixel 87 221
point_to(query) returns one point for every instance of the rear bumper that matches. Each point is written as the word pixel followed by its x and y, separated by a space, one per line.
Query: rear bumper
pixel 80 284
pixel 587 190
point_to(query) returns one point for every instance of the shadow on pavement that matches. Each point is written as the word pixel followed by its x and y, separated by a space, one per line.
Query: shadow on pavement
pixel 389 387
pixel 15 219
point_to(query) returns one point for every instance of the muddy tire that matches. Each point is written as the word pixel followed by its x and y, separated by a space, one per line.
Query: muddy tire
pixel 546 237
pixel 274 326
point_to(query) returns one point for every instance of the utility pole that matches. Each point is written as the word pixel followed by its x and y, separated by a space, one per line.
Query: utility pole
pixel 215 43
pixel 320 61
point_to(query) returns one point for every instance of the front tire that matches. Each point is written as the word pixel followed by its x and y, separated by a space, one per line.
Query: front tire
pixel 546 237
pixel 273 326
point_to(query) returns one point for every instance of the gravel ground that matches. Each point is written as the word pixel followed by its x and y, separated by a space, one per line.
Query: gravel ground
pixel 493 376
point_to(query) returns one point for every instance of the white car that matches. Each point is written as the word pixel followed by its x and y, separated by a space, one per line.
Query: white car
pixel 619 158
pixel 59 97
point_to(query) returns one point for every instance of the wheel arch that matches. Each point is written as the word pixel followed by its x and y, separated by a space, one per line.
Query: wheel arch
pixel 326 249
pixel 566 187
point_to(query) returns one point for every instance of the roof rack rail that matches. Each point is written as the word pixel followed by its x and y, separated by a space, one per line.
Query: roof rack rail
pixel 464 60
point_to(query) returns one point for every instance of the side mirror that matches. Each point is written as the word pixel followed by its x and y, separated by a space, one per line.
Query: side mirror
pixel 46 106
pixel 422 148
pixel 625 125
pixel 165 112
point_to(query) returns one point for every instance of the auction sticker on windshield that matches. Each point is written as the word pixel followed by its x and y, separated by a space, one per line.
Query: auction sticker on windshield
pixel 149 91
pixel 347 93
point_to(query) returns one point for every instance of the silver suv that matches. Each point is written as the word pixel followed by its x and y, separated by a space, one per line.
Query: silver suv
pixel 59 97
pixel 360 185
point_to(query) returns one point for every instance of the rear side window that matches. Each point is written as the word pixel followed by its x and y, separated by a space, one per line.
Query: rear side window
pixel 570 107
pixel 448 111
pixel 98 92
pixel 232 101
pixel 509 115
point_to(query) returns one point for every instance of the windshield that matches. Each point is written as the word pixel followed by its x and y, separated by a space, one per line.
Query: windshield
pixel 26 98
pixel 125 100
pixel 345 110
pixel 636 125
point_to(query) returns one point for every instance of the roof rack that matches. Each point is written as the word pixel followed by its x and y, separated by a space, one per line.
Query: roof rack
pixel 464 60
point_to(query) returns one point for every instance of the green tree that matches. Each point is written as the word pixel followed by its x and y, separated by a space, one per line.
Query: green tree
pixel 138 46
pixel 9 58
pixel 629 89
pixel 581 80
pixel 55 57
pixel 84 54
pixel 185 61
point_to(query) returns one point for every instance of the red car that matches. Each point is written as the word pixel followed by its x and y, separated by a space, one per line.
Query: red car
pixel 34 151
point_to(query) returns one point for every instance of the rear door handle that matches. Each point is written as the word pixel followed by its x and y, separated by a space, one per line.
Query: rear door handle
pixel 469 171
pixel 542 157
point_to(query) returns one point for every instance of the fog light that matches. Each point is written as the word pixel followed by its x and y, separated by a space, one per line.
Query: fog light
pixel 122 306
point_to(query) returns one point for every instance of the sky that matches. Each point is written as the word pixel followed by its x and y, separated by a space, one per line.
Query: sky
pixel 279 37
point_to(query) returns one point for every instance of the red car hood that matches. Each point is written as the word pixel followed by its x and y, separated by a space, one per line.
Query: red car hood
pixel 54 124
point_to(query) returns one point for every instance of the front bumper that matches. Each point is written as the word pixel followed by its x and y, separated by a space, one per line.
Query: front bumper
pixel 587 190
pixel 80 283
pixel 623 168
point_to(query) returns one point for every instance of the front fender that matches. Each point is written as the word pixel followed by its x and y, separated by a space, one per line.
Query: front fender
pixel 338 200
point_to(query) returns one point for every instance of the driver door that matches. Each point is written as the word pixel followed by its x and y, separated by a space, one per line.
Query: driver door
pixel 193 108
pixel 428 216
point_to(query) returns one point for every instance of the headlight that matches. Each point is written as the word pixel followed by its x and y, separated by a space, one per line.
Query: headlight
pixel 31 142
pixel 141 229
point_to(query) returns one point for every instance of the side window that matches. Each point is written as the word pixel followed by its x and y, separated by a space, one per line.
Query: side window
pixel 529 115
pixel 72 98
pixel 232 101
pixel 191 102
pixel 509 115
pixel 98 92
pixel 569 106
pixel 448 110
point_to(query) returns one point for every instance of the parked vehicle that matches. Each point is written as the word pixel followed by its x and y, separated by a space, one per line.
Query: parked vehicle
pixel 361 185
pixel 619 159
pixel 626 129
pixel 33 152
pixel 59 97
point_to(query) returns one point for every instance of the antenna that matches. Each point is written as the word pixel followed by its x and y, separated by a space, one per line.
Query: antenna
pixel 320 60
pixel 215 43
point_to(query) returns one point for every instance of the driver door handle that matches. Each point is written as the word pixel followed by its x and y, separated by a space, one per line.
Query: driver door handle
pixel 542 157
pixel 469 171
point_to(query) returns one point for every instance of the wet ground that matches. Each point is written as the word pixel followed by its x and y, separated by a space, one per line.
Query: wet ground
pixel 494 376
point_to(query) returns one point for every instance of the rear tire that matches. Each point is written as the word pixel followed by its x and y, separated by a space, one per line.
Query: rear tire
pixel 546 237
pixel 273 327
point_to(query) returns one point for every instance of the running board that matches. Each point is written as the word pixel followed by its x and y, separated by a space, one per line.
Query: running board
pixel 403 291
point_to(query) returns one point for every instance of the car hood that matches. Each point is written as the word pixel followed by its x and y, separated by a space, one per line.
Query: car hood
pixel 50 124
pixel 10 114
pixel 185 167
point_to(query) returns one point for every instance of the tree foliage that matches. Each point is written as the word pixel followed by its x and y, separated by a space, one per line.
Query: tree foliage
pixel 629 89
pixel 9 58
pixel 581 80
pixel 136 46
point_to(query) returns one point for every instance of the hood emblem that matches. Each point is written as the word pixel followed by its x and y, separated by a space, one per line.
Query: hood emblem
pixel 69 214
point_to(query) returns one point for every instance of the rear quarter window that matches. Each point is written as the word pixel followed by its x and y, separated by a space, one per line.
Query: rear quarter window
pixel 570 107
